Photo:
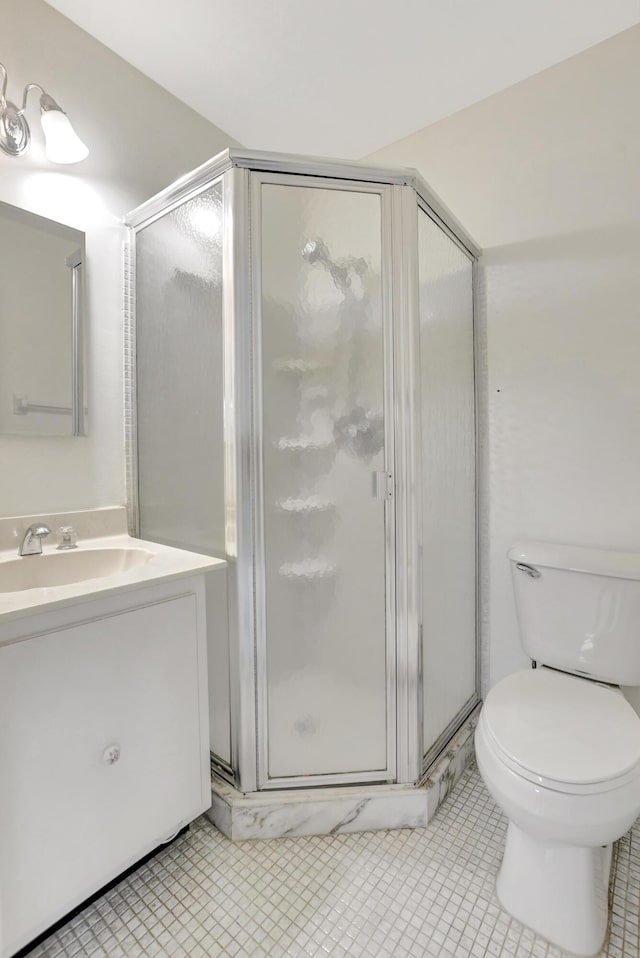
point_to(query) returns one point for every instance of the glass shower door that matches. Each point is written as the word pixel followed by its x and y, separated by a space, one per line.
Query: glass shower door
pixel 325 552
pixel 180 414
pixel 447 414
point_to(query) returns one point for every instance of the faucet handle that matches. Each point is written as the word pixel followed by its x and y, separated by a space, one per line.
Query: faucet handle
pixel 67 538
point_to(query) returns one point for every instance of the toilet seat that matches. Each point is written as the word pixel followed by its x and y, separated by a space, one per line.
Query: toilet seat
pixel 562 732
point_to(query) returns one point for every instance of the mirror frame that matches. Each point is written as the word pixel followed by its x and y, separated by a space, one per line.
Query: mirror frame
pixel 76 265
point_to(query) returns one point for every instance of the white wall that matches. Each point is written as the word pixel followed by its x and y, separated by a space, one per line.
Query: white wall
pixel 141 138
pixel 546 177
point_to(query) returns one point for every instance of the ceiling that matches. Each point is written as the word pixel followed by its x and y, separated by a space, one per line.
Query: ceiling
pixel 342 77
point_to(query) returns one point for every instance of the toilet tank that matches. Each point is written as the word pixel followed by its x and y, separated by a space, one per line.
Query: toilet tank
pixel 579 609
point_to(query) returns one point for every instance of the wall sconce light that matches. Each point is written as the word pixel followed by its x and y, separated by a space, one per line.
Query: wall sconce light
pixel 62 143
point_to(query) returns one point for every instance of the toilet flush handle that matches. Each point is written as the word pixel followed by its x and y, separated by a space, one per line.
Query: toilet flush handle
pixel 523 567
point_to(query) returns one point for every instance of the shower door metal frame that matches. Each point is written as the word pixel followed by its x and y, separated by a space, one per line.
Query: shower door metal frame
pixel 385 192
pixel 408 606
pixel 240 498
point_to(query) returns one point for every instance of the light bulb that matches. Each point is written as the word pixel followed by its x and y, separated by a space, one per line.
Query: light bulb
pixel 62 143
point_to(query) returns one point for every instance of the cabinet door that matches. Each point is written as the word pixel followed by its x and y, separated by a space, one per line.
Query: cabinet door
pixel 70 820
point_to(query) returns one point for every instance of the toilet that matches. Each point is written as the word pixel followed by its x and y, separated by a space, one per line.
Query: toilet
pixel 558 745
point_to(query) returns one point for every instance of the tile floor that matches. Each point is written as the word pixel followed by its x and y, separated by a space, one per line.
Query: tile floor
pixel 408 894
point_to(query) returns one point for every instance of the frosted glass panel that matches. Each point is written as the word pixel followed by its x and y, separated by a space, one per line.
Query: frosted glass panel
pixel 448 471
pixel 323 438
pixel 180 392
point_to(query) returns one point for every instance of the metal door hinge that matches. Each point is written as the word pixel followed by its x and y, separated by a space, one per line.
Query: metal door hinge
pixel 382 485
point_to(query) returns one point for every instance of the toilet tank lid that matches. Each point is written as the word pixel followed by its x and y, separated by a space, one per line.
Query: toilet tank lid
pixel 621 565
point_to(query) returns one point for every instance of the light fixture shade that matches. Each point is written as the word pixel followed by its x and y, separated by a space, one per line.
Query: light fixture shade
pixel 62 143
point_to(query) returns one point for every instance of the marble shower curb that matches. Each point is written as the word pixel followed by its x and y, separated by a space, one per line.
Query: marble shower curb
pixel 333 811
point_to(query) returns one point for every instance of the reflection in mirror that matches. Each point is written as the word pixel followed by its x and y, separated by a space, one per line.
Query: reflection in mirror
pixel 41 350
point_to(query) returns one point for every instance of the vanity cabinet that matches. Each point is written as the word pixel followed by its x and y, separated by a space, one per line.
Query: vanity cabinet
pixel 103 745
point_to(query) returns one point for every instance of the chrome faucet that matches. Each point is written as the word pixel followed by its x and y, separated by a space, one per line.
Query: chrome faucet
pixel 32 542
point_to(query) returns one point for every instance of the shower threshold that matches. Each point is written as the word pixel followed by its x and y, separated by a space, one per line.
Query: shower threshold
pixel 286 813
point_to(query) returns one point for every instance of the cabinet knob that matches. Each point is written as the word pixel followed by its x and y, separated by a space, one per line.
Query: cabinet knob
pixel 111 754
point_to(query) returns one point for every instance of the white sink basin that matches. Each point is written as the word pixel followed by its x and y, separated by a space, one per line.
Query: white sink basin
pixel 107 562
pixel 66 568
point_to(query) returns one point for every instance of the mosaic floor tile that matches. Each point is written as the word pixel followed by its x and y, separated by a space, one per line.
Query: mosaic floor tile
pixel 411 893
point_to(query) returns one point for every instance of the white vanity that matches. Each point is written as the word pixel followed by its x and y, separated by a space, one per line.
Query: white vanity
pixel 104 741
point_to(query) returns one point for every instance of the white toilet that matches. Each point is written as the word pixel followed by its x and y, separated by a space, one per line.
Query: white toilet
pixel 558 746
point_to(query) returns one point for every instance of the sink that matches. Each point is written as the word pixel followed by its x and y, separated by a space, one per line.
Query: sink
pixel 66 568
pixel 107 564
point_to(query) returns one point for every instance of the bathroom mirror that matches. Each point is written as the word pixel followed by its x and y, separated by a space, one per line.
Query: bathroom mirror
pixel 42 390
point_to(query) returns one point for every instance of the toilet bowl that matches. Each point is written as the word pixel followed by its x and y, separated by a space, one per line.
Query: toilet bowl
pixel 561 757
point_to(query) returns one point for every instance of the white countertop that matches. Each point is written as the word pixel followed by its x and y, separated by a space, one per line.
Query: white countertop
pixel 167 563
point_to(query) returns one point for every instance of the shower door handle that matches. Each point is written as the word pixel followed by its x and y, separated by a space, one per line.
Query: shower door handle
pixel 382 485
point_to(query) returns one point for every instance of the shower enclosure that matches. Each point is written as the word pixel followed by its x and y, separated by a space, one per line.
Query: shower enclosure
pixel 301 403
